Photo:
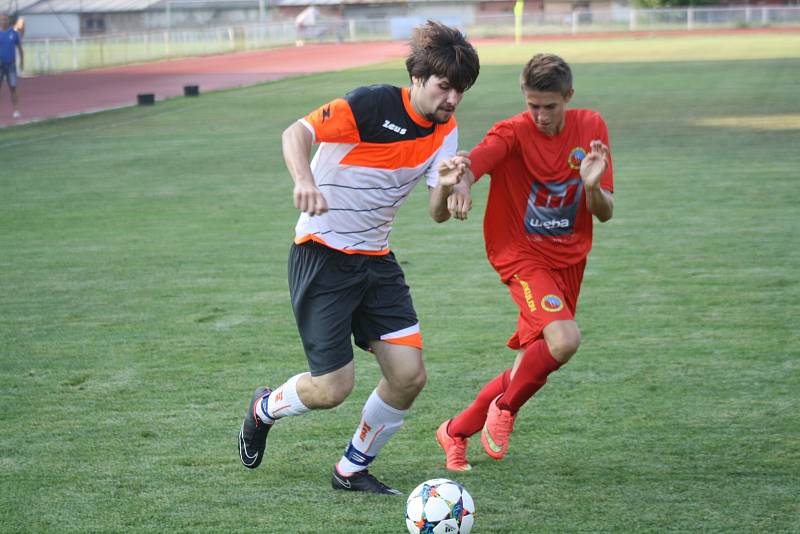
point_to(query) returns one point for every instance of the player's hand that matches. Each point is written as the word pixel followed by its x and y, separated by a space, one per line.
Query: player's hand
pixel 308 198
pixel 594 164
pixel 460 201
pixel 451 170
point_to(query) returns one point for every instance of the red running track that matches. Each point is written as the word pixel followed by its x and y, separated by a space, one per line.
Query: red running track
pixel 71 93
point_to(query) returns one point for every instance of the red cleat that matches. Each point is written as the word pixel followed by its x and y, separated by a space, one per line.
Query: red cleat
pixel 455 449
pixel 496 431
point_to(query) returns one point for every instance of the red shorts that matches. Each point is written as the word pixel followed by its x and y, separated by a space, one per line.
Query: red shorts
pixel 543 296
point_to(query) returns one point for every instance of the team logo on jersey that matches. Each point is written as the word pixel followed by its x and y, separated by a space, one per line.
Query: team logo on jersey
pixel 326 113
pixel 552 303
pixel 576 157
pixel 389 125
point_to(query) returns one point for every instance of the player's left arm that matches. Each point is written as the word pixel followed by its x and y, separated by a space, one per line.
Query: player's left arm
pixel 459 203
pixel 444 172
pixel 599 201
pixel 440 196
pixel 21 53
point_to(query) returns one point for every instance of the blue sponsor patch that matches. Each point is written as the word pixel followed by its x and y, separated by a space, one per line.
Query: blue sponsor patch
pixel 553 207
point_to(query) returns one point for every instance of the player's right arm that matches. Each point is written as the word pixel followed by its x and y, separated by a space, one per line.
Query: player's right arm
pixel 297 141
pixel 333 122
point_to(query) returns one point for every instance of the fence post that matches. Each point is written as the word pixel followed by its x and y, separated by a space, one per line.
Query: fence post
pixel 574 22
pixel 166 43
pixel 690 18
pixel 632 20
pixel 74 54
pixel 47 55
pixel 764 17
pixel 351 29
pixel 519 11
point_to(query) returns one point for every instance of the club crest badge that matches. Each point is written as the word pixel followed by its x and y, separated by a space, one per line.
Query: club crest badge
pixel 552 303
pixel 575 158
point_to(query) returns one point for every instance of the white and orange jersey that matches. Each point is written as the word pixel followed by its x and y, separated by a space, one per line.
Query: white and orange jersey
pixel 374 149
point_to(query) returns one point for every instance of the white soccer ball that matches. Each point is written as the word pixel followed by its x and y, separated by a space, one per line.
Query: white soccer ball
pixel 440 506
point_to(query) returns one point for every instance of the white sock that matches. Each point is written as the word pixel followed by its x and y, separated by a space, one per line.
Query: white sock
pixel 282 402
pixel 379 422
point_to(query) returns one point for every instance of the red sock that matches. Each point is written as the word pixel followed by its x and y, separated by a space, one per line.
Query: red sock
pixel 531 375
pixel 472 419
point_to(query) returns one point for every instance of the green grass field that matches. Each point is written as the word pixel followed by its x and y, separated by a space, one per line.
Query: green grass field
pixel 144 295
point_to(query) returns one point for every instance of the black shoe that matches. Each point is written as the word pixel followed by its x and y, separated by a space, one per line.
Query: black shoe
pixel 361 481
pixel 253 435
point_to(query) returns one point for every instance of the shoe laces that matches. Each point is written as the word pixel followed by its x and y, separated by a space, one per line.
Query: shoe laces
pixel 457 451
pixel 503 425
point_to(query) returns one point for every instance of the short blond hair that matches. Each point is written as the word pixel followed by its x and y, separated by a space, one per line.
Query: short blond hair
pixel 548 73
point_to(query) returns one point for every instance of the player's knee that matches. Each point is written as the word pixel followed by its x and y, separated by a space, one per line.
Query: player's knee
pixel 329 393
pixel 419 381
pixel 564 342
pixel 333 396
pixel 411 384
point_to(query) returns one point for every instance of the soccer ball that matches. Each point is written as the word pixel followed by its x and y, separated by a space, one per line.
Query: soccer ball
pixel 439 506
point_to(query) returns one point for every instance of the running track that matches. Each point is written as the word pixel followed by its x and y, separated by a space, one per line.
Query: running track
pixel 61 95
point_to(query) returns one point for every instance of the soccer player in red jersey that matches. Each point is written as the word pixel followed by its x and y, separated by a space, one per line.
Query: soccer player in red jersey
pixel 550 171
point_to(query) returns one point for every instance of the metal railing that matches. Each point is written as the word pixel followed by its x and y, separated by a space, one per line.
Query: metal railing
pixel 55 55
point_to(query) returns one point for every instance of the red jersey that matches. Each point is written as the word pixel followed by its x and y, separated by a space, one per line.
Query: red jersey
pixel 536 215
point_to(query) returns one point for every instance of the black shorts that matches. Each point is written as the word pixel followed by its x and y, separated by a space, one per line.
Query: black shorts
pixel 336 295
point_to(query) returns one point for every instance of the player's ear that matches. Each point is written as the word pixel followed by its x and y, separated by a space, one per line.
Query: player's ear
pixel 419 81
pixel 568 96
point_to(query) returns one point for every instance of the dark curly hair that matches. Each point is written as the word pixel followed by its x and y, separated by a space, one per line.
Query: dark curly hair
pixel 438 50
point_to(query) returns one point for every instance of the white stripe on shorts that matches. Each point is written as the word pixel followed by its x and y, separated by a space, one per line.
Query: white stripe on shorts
pixel 414 329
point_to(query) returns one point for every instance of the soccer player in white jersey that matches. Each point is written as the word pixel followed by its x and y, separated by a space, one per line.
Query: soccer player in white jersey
pixel 376 144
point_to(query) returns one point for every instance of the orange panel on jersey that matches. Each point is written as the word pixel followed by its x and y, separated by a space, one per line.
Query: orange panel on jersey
pixel 401 154
pixel 334 123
